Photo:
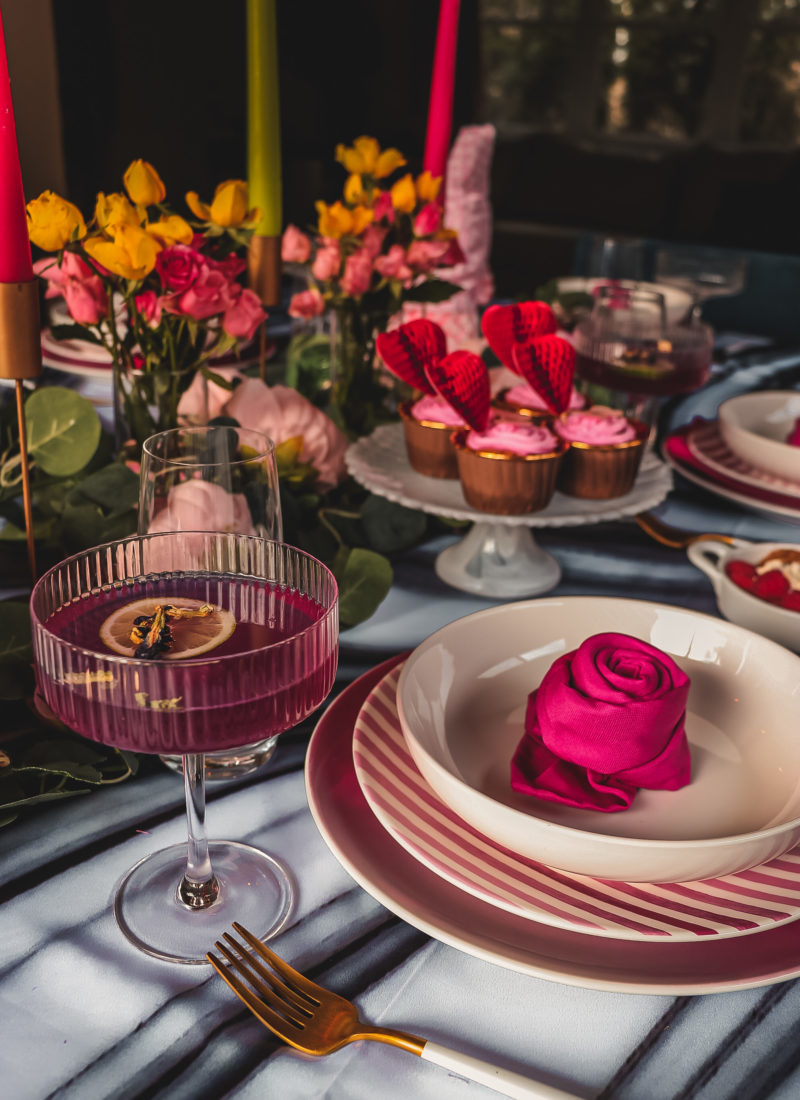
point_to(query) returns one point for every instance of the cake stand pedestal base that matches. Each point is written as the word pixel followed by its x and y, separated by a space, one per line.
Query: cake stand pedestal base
pixel 500 561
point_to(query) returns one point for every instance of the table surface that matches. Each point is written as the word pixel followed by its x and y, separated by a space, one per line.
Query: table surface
pixel 84 1015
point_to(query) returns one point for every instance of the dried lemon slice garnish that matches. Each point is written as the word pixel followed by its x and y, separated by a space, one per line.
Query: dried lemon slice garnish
pixel 192 634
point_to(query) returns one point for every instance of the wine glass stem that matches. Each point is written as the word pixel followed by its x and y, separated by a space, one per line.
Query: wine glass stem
pixel 198 888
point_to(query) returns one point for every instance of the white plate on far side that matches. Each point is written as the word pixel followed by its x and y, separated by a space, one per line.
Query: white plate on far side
pixel 410 811
pixel 461 702
pixel 417 895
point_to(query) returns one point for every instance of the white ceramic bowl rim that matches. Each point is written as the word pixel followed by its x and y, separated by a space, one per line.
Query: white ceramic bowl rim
pixel 598 837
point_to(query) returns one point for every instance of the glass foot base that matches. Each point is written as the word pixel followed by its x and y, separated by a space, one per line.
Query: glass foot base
pixel 233 763
pixel 254 889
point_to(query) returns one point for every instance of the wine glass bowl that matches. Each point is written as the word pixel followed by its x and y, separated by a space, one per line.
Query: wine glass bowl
pixel 273 670
pixel 703 272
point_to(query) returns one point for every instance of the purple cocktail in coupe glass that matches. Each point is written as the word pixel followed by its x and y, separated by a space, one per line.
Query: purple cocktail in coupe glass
pixel 237 640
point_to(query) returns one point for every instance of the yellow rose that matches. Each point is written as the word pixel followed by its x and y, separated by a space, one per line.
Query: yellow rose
pixel 428 186
pixel 404 195
pixel 170 230
pixel 114 209
pixel 143 184
pixel 362 216
pixel 53 222
pixel 337 221
pixel 228 207
pixel 365 158
pixel 354 189
pixel 130 253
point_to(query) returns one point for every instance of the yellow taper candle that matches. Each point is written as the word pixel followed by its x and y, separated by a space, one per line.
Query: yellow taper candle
pixel 263 117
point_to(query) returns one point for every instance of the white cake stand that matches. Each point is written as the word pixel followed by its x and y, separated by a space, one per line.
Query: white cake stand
pixel 499 556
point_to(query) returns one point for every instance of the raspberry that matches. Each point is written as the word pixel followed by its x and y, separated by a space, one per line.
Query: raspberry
pixel 771 586
pixel 791 601
pixel 742 573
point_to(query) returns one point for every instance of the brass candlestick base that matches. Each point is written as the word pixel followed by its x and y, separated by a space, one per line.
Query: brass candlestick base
pixel 264 269
pixel 20 335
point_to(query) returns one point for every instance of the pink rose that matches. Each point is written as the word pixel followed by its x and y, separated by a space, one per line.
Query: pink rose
pixel 178 266
pixel 393 265
pixel 231 267
pixel 383 207
pixel 198 505
pixel 425 255
pixel 357 274
pixel 374 236
pixel 295 246
pixel 243 317
pixel 149 306
pixel 453 254
pixel 83 290
pixel 428 220
pixel 203 400
pixel 210 294
pixel 327 262
pixel 306 304
pixel 282 413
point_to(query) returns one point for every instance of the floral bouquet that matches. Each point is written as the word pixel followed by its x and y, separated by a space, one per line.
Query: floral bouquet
pixel 159 292
pixel 373 251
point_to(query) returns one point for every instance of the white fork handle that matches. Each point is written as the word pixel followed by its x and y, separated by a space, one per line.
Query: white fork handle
pixel 501 1080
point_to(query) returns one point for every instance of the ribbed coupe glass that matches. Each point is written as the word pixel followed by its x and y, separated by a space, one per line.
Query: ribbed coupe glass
pixel 270 671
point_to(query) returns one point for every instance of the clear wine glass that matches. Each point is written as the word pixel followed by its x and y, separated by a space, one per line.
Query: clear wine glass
pixel 702 272
pixel 213 479
pixel 261 660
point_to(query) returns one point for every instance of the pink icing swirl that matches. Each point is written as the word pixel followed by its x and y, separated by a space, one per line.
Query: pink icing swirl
pixel 438 410
pixel 526 397
pixel 510 437
pixel 599 429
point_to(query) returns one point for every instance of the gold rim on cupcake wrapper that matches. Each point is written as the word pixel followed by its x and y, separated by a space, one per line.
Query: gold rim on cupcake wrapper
pixel 603 471
pixel 538 416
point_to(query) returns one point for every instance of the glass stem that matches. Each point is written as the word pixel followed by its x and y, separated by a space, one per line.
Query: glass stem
pixel 198 888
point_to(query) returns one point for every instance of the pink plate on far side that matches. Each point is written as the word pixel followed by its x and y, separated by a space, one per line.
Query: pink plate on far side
pixel 449 914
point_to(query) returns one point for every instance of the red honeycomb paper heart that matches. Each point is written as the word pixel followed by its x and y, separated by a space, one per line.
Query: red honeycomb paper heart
pixel 506 326
pixel 548 364
pixel 408 349
pixel 462 379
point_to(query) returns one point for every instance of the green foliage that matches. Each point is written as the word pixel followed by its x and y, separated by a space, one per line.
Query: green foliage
pixel 364 579
pixel 390 527
pixel 434 290
pixel 63 430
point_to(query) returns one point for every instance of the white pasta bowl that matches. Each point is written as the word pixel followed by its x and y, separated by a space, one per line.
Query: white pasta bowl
pixel 461 701
pixel 756 425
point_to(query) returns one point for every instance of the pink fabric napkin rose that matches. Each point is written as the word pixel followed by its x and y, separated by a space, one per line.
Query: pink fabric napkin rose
pixel 607 719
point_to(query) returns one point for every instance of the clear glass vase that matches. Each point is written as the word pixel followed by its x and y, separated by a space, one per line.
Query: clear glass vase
pixel 146 401
pixel 357 397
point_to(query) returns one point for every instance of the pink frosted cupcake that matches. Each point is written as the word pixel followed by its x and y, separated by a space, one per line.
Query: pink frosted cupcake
pixel 509 468
pixel 604 454
pixel 428 425
pixel 523 400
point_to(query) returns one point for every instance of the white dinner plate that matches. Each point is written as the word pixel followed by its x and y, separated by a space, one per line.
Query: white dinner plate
pixel 409 809
pixel 398 881
pixel 379 462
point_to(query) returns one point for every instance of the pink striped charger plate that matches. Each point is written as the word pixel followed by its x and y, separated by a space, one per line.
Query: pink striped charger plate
pixel 416 818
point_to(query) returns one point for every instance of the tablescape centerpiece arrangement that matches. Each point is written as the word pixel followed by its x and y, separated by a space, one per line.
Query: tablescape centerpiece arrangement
pixel 160 293
pixel 213 479
pixel 169 643
pixel 376 248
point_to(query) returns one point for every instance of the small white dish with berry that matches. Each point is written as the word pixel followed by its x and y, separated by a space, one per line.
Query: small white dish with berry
pixel 757 585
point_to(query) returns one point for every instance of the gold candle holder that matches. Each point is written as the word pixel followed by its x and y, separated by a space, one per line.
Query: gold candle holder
pixel 264 277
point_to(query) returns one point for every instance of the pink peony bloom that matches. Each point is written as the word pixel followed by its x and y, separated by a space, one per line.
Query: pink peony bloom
pixel 295 246
pixel 198 505
pixel 210 294
pixel 393 265
pixel 179 266
pixel 383 207
pixel 149 306
pixel 243 317
pixel 306 304
pixel 428 220
pixel 374 236
pixel 83 290
pixel 204 400
pixel 282 413
pixel 357 273
pixel 327 262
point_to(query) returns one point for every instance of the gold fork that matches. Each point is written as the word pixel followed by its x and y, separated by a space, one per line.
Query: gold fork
pixel 316 1021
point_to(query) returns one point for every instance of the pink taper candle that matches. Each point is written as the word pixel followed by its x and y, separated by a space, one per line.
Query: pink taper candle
pixel 15 249
pixel 440 107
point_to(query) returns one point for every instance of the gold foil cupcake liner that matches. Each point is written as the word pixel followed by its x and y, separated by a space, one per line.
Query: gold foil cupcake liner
pixel 505 484
pixel 430 451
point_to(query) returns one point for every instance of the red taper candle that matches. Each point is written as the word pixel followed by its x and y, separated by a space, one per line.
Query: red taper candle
pixel 15 248
pixel 440 106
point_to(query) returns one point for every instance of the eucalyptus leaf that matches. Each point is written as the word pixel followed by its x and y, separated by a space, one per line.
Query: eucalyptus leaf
pixel 364 579
pixel 115 488
pixel 434 290
pixel 390 527
pixel 15 631
pixel 63 430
